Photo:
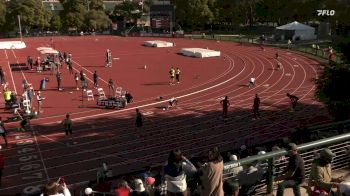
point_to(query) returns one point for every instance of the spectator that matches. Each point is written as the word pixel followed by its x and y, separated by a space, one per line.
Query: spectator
pixel 139 189
pixel 122 188
pixel 2 163
pixel 175 172
pixel 231 185
pixel 321 173
pixel 248 179
pixel 212 183
pixel 244 152
pixel 295 172
pixel 51 189
pixel 147 173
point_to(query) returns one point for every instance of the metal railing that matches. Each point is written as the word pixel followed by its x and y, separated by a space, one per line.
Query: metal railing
pixel 308 150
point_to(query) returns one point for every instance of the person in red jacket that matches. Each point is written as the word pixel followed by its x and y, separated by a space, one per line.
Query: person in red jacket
pixel 2 163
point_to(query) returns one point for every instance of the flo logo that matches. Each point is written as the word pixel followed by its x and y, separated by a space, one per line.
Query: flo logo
pixel 325 12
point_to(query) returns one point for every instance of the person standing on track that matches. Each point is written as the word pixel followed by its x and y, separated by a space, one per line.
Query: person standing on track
pixel 30 62
pixel 172 75
pixel 40 102
pixel 293 100
pixel 95 76
pixel 111 87
pixel 83 80
pixel 276 55
pixel 225 104
pixel 3 131
pixel 108 58
pixel 177 75
pixel 59 80
pixel 67 124
pixel 139 119
pixel 2 76
pixel 256 107
pixel 76 78
pixel 70 67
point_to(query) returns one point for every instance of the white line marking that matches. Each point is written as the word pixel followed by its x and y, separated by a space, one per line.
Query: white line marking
pixel 158 102
pixel 13 81
pixel 41 156
pixel 6 54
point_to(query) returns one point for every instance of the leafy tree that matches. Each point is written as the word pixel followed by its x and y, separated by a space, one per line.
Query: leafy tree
pixel 33 14
pixel 56 23
pixel 73 15
pixel 128 10
pixel 332 91
pixel 97 20
pixel 96 5
pixel 2 13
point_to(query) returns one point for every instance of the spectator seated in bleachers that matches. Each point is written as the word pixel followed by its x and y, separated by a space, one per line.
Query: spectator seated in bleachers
pixel 248 179
pixel 231 185
pixel 139 188
pixel 54 187
pixel 122 188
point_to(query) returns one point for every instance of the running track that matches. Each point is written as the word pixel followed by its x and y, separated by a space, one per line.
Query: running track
pixel 195 125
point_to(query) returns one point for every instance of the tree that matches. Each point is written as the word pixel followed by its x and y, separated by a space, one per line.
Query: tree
pixel 73 15
pixel 333 91
pixel 97 20
pixel 128 10
pixel 56 23
pixel 2 13
pixel 96 5
pixel 33 14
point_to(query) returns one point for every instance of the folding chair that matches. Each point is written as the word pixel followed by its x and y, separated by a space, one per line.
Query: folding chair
pixel 101 93
pixel 118 91
pixel 26 105
pixel 90 95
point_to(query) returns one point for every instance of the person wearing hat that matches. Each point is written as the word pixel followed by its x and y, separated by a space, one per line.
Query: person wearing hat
pixel 139 189
pixel 294 174
pixel 321 173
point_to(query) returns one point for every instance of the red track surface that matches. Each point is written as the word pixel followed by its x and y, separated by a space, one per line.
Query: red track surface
pixel 195 125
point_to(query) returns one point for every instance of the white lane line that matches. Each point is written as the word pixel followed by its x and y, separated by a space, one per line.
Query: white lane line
pixel 158 102
pixel 13 81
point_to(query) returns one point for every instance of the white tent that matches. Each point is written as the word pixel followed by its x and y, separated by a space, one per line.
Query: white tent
pixel 297 30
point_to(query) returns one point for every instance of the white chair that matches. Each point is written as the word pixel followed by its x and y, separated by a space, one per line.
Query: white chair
pixel 118 91
pixel 101 93
pixel 90 95
pixel 26 105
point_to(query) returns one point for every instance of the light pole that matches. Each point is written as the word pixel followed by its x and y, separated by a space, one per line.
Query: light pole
pixel 20 27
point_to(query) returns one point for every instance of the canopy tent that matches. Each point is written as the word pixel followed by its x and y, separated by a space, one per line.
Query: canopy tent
pixel 297 31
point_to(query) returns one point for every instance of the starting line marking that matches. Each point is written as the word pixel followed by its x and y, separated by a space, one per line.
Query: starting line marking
pixel 266 85
pixel 148 113
pixel 296 65
pixel 288 74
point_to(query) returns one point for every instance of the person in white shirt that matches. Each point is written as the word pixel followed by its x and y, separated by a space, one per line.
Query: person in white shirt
pixel 40 100
pixel 251 82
